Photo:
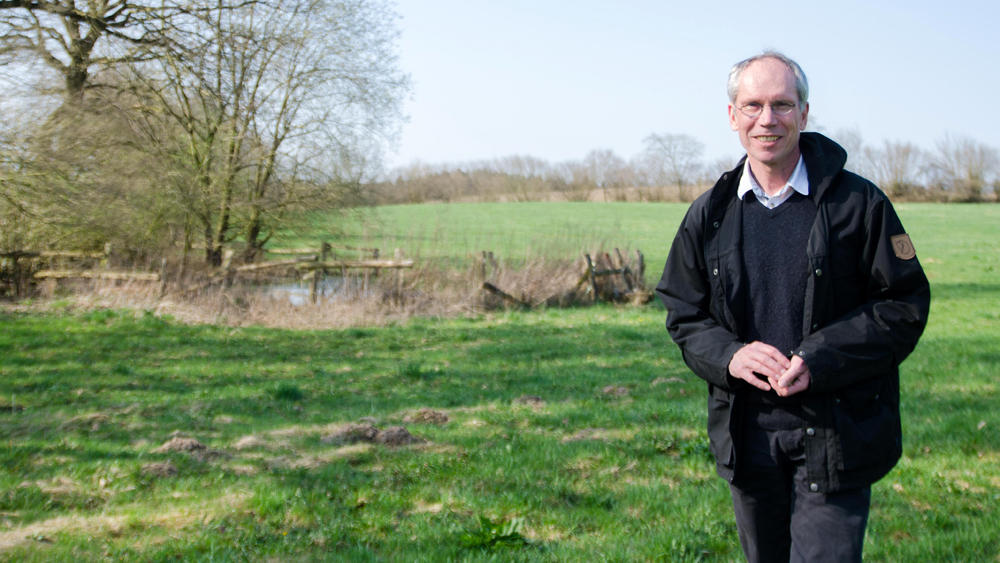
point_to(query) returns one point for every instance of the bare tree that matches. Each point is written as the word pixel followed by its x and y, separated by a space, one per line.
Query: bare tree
pixel 858 157
pixel 281 102
pixel 72 37
pixel 524 176
pixel 572 179
pixel 964 166
pixel 896 168
pixel 712 171
pixel 607 170
pixel 675 159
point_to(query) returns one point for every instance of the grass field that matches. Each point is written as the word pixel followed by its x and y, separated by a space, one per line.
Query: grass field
pixel 610 463
pixel 961 240
pixel 514 231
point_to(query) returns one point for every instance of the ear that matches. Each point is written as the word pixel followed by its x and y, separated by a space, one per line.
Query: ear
pixel 805 117
pixel 732 118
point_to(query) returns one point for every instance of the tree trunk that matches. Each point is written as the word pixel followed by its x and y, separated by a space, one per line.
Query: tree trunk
pixel 213 253
pixel 252 235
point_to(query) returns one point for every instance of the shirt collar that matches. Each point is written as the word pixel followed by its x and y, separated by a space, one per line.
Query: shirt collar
pixel 799 181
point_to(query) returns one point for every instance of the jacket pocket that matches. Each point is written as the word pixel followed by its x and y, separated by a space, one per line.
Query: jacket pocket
pixel 866 426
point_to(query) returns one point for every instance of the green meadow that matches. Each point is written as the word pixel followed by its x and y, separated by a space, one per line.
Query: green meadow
pixel 552 435
pixel 515 232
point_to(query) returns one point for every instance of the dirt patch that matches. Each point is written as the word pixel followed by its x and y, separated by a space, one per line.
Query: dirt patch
pixel 167 517
pixel 352 434
pixel 180 444
pixel 426 416
pixel 207 456
pixel 585 434
pixel 615 390
pixel 421 507
pixel 314 461
pixel 39 532
pixel 160 470
pixel 368 434
pixel 661 380
pixel 530 400
pixel 242 469
pixel 57 486
pixel 251 442
pixel 92 422
pixel 396 436
pixel 302 431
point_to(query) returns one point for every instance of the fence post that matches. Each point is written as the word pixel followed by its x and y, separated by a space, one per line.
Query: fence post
pixel 593 278
pixel 325 253
pixel 106 261
pixel 163 277
pixel 367 273
pixel 398 256
pixel 227 259
pixel 17 276
pixel 494 267
pixel 624 269
pixel 312 286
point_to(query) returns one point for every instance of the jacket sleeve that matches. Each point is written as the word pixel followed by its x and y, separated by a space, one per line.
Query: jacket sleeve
pixel 685 291
pixel 879 334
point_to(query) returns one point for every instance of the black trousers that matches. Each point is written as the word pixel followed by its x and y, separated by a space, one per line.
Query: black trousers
pixel 779 519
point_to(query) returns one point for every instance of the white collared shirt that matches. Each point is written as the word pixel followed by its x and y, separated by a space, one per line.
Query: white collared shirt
pixel 799 182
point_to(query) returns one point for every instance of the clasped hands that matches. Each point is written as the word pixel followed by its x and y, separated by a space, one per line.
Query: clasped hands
pixel 786 377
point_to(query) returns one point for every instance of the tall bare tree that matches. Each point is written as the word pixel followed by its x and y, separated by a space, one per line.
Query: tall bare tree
pixel 524 176
pixel 675 159
pixel 73 37
pixel 896 167
pixel 964 166
pixel 284 102
pixel 607 170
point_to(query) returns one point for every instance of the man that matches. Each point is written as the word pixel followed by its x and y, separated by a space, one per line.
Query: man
pixel 793 290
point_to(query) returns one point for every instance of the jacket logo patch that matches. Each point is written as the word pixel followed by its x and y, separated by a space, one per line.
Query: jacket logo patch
pixel 903 247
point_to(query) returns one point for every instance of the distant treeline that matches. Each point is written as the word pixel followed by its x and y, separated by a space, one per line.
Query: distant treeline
pixel 671 168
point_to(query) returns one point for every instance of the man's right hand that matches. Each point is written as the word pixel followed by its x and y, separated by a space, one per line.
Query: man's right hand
pixel 758 358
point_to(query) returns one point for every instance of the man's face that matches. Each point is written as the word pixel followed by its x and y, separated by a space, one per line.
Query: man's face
pixel 770 139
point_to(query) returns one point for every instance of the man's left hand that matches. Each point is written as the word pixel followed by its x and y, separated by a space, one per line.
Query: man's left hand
pixel 796 379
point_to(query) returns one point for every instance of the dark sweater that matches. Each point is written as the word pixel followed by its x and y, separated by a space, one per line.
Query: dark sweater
pixel 777 269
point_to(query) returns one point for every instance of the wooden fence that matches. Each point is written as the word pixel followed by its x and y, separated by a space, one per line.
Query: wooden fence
pixel 632 278
pixel 23 264
pixel 313 264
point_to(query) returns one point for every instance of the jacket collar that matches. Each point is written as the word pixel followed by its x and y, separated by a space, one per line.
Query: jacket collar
pixel 824 159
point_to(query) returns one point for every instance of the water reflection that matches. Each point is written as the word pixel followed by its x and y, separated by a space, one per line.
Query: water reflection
pixel 329 288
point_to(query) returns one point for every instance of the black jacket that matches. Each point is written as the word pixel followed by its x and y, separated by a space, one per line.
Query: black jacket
pixel 866 306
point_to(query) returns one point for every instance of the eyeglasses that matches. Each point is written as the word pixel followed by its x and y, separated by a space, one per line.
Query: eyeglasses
pixel 754 109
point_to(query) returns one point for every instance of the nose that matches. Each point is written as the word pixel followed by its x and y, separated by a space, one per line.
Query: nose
pixel 767 116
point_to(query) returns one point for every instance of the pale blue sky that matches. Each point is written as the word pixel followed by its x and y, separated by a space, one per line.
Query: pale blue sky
pixel 555 79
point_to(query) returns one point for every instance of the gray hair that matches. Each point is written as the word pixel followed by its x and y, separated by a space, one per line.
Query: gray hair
pixel 801 84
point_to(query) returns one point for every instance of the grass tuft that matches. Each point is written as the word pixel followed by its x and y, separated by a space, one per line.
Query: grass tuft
pixel 288 392
pixel 495 534
pixel 413 371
